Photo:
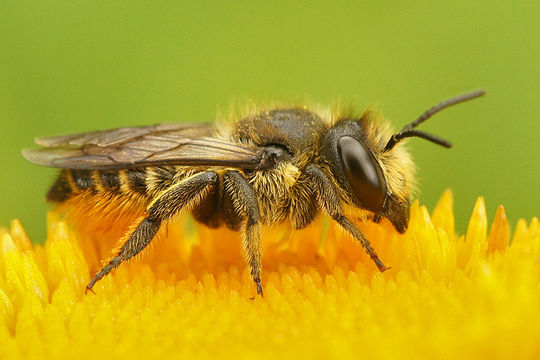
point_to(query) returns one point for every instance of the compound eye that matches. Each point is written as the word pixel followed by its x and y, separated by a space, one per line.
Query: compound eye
pixel 363 172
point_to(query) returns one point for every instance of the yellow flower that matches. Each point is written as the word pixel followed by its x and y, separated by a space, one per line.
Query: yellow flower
pixel 446 296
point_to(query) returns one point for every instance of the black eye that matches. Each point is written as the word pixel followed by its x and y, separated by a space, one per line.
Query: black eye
pixel 363 172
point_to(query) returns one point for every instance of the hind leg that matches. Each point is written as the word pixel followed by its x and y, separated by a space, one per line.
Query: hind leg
pixel 181 196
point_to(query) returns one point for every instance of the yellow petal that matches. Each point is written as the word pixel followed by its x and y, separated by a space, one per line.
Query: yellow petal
pixel 443 215
pixel 191 296
pixel 499 233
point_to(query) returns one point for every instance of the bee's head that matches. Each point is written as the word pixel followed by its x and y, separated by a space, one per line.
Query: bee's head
pixel 368 184
pixel 371 171
pixel 359 170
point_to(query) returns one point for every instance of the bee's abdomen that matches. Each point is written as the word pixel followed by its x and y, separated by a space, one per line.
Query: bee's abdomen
pixel 135 180
pixel 61 190
pixel 71 183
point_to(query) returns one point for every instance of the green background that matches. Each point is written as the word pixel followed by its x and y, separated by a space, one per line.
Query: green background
pixel 71 66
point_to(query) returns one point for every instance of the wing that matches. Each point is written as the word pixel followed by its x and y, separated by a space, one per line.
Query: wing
pixel 165 144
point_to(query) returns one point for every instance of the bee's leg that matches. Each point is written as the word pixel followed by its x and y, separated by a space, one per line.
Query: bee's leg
pixel 331 204
pixel 180 196
pixel 246 204
pixel 304 206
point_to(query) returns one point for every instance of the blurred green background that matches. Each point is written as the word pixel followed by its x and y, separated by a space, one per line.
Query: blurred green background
pixel 71 66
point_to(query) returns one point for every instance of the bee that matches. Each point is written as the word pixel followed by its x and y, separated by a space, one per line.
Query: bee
pixel 284 164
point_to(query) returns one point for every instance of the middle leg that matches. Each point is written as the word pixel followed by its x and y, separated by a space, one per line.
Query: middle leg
pixel 246 205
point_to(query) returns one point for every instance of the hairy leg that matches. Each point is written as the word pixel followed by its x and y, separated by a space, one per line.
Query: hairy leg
pixel 331 204
pixel 304 205
pixel 181 196
pixel 245 203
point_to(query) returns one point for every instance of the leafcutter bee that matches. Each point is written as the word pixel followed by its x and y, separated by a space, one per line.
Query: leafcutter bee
pixel 274 165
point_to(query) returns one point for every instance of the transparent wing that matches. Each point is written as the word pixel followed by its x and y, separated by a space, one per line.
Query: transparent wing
pixel 165 144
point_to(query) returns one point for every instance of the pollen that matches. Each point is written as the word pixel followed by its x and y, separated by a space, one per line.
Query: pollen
pixel 447 295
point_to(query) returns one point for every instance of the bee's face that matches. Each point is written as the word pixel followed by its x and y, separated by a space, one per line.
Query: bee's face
pixel 363 172
pixel 358 172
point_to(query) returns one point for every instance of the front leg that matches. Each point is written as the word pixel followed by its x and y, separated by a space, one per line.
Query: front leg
pixel 180 196
pixel 246 205
pixel 331 204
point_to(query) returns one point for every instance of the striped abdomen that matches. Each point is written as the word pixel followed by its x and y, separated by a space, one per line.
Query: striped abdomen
pixel 131 182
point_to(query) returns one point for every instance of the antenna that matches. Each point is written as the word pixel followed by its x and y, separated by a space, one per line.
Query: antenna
pixel 409 131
